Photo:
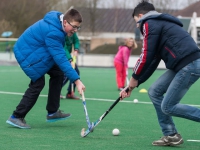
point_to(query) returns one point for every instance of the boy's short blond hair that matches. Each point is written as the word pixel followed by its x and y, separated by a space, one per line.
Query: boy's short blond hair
pixel 73 15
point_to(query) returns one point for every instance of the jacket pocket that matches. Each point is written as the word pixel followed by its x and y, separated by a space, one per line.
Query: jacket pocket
pixel 195 74
pixel 171 53
pixel 34 63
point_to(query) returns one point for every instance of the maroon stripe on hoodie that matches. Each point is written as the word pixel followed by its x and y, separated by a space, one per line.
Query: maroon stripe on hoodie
pixel 142 60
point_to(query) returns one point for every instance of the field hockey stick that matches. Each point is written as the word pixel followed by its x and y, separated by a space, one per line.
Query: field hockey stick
pixel 74 61
pixel 127 80
pixel 84 132
pixel 86 113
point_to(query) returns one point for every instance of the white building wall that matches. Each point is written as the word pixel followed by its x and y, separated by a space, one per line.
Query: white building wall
pixel 106 61
pixel 86 60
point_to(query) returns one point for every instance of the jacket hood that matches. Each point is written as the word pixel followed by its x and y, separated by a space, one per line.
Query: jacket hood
pixel 159 16
pixel 53 17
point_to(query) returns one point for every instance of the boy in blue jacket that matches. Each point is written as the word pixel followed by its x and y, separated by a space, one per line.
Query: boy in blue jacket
pixel 164 38
pixel 39 50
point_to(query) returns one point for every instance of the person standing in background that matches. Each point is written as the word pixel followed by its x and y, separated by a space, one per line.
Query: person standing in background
pixel 121 62
pixel 72 41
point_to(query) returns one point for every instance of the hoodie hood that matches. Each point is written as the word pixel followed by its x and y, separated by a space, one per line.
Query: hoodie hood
pixel 53 18
pixel 159 16
pixel 151 14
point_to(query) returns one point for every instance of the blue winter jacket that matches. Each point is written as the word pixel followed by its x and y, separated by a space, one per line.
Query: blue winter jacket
pixel 164 39
pixel 41 46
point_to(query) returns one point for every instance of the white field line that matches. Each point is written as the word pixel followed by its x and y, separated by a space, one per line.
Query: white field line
pixel 193 140
pixel 6 71
pixel 110 100
pixel 92 99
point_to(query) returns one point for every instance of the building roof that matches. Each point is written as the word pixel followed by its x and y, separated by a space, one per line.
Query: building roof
pixel 116 20
pixel 108 20
pixel 185 22
pixel 188 11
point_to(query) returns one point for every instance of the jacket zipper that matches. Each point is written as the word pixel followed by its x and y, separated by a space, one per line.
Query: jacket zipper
pixel 170 52
pixel 34 63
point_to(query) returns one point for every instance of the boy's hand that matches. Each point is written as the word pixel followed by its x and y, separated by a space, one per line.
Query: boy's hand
pixel 73 64
pixel 132 84
pixel 80 87
pixel 75 53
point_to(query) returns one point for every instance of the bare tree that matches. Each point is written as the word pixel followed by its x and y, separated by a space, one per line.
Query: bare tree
pixel 7 26
pixel 93 13
pixel 91 6
pixel 160 4
pixel 189 2
pixel 64 5
pixel 23 13
pixel 168 6
pixel 118 5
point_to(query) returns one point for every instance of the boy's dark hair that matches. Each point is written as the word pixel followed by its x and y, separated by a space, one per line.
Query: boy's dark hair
pixel 73 15
pixel 142 8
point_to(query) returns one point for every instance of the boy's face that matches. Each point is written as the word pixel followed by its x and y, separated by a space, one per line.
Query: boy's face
pixel 71 27
pixel 137 18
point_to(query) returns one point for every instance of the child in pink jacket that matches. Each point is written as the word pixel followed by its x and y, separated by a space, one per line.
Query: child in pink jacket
pixel 121 61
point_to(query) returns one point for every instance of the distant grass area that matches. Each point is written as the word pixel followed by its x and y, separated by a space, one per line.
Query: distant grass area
pixel 113 48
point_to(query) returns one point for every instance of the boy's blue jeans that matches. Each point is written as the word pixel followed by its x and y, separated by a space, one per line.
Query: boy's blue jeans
pixel 167 92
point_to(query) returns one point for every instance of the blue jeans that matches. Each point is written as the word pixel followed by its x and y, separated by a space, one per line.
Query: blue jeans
pixel 174 85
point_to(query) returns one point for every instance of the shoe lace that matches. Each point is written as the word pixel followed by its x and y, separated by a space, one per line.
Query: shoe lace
pixel 164 138
pixel 60 111
pixel 23 120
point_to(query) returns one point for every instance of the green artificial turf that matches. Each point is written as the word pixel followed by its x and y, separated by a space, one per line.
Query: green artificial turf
pixel 137 122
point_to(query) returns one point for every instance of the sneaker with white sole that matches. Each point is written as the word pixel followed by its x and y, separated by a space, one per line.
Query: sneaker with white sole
pixel 59 115
pixel 72 96
pixel 18 122
pixel 62 97
pixel 169 141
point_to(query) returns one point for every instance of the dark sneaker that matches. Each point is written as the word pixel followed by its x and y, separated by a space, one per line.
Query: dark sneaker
pixel 18 122
pixel 59 115
pixel 169 140
pixel 72 96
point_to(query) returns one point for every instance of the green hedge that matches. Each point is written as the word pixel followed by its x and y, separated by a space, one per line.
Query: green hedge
pixel 6 46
